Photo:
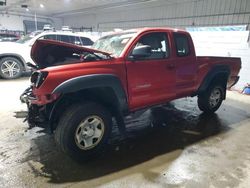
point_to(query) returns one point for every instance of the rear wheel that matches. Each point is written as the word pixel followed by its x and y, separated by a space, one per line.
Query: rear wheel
pixel 211 100
pixel 83 130
pixel 10 68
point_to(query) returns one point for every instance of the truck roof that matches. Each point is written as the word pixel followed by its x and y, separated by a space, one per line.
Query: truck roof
pixel 141 30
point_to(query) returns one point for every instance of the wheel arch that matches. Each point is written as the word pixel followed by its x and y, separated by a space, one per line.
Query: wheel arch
pixel 20 58
pixel 105 89
pixel 218 74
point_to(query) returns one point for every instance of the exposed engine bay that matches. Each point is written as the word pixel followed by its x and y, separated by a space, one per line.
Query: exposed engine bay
pixel 51 53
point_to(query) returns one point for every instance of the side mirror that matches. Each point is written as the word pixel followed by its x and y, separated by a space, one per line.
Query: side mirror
pixel 141 52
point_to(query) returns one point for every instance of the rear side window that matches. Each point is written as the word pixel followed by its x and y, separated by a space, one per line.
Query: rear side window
pixel 50 37
pixel 72 39
pixel 63 38
pixel 182 45
pixel 77 41
pixel 86 41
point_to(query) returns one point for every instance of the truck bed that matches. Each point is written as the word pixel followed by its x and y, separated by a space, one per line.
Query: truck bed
pixel 206 63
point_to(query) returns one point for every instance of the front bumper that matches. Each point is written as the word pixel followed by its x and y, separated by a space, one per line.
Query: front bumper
pixel 36 116
pixel 27 96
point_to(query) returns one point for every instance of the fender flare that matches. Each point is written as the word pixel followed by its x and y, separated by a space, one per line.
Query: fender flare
pixel 214 72
pixel 95 81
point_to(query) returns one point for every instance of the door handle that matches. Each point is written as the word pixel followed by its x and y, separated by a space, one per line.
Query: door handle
pixel 170 66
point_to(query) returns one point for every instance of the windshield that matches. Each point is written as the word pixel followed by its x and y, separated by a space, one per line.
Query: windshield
pixel 113 44
pixel 28 37
pixel 24 39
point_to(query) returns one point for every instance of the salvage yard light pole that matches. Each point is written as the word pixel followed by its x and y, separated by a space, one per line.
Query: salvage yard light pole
pixel 27 8
pixel 41 6
pixel 35 21
pixel 35 16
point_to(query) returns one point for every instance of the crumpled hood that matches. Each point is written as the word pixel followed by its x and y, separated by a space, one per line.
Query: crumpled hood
pixel 42 50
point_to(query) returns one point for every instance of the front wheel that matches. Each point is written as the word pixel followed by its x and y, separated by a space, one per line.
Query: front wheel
pixel 211 100
pixel 10 68
pixel 83 130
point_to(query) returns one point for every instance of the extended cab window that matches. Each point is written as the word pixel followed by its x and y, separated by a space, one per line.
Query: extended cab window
pixel 158 43
pixel 182 44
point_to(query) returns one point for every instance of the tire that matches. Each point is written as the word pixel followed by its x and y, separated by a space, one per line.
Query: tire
pixel 211 100
pixel 83 130
pixel 10 68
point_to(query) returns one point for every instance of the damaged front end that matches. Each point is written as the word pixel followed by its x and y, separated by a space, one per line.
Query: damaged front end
pixel 36 116
pixel 39 97
pixel 39 106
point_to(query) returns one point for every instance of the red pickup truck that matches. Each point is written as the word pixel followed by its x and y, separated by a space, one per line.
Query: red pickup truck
pixel 76 91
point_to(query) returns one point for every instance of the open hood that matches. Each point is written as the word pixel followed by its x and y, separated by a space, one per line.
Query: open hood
pixel 46 53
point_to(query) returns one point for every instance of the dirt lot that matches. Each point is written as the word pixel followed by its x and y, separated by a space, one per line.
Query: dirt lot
pixel 170 146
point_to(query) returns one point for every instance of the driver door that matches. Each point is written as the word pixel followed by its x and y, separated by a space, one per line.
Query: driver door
pixel 151 80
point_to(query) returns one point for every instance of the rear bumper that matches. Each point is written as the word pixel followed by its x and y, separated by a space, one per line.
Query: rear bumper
pixel 233 80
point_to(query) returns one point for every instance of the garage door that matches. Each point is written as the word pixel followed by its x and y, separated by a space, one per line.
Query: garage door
pixel 31 26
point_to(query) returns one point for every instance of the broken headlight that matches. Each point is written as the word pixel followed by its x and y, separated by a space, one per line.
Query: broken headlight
pixel 38 77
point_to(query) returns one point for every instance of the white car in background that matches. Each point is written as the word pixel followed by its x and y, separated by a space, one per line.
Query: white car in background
pixel 14 56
